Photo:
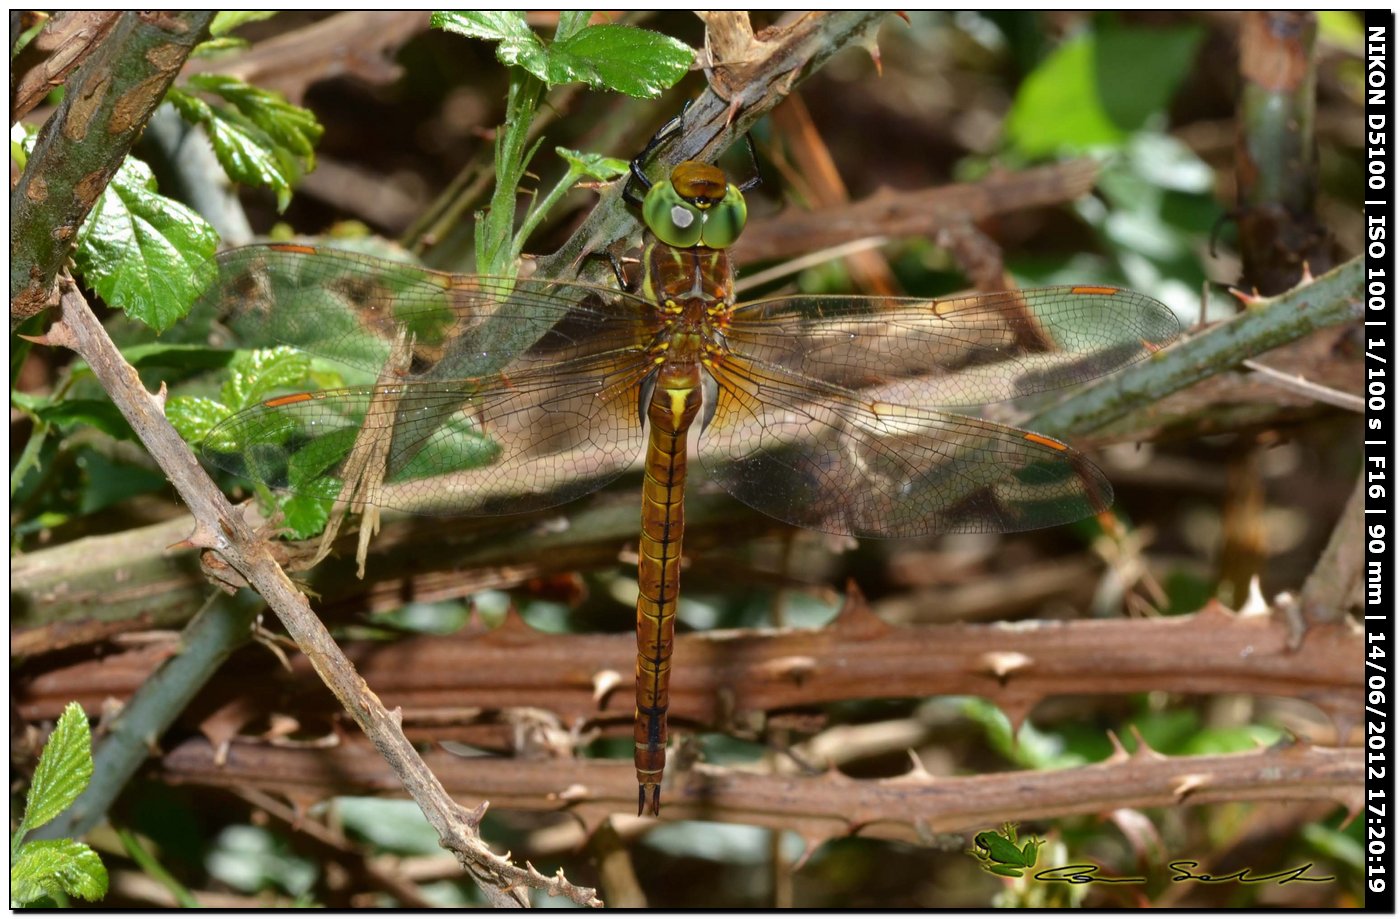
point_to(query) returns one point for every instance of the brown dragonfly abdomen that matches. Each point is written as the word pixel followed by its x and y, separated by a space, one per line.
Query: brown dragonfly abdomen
pixel 674 403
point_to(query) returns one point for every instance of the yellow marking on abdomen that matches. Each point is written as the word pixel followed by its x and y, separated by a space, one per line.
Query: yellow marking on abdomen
pixel 678 398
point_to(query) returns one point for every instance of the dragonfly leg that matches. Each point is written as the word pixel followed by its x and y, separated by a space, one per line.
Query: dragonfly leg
pixel 757 178
pixel 622 282
pixel 661 136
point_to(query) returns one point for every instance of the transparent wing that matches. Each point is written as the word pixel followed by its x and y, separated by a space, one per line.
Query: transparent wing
pixel 350 307
pixel 503 444
pixel 957 351
pixel 825 458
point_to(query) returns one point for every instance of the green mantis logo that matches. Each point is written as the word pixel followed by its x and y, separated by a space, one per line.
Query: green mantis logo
pixel 1000 853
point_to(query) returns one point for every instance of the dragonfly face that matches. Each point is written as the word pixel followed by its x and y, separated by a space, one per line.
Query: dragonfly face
pixel 825 412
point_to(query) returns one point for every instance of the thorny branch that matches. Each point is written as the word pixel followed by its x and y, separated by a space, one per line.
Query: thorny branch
pixel 736 677
pixel 910 807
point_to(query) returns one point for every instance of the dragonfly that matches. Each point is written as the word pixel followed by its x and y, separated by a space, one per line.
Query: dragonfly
pixel 850 415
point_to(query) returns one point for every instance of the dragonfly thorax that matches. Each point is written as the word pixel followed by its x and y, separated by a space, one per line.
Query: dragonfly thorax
pixel 692 292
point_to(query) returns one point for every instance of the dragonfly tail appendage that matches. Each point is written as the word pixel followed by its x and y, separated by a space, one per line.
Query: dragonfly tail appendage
pixel 670 412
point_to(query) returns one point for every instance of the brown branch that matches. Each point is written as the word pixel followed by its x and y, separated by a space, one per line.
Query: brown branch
pixel 924 212
pixel 130 574
pixel 616 874
pixel 814 178
pixel 221 526
pixel 119 576
pixel 908 807
pixel 722 677
pixel 64 43
pixel 1336 579
pixel 66 633
pixel 359 44
pixel 82 145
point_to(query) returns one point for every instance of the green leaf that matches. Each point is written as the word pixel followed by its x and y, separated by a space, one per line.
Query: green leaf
pixel 1342 28
pixel 144 253
pixel 388 824
pixel 28 35
pixel 1239 739
pixel 290 126
pixel 518 45
pixel 593 165
pixel 1098 88
pixel 188 358
pixel 1336 845
pixel 54 867
pixel 488 25
pixel 195 416
pixel 634 61
pixel 226 21
pixel 64 770
pixel 21 142
pixel 251 859
pixel 106 480
pixel 259 139
pixel 1168 730
pixel 305 515
pixel 217 46
pixel 255 374
pixel 96 413
pixel 248 155
pixel 1029 747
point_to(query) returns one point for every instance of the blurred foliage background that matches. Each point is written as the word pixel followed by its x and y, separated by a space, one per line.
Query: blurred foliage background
pixel 406 156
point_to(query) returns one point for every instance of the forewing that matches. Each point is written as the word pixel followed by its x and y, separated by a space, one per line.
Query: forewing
pixel 824 458
pixel 503 444
pixel 954 351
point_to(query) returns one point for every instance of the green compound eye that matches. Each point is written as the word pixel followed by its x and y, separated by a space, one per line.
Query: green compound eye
pixel 695 208
pixel 725 220
pixel 673 220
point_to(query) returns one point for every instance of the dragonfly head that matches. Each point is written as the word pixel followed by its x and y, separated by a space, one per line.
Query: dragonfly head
pixel 695 207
